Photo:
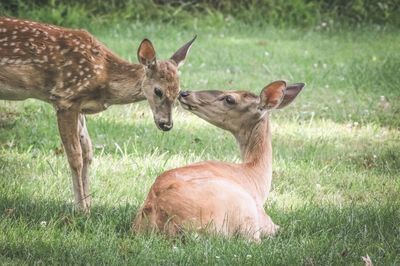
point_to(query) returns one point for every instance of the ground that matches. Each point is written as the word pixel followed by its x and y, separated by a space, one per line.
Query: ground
pixel 336 159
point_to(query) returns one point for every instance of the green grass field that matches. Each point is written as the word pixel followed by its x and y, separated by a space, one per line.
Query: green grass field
pixel 336 186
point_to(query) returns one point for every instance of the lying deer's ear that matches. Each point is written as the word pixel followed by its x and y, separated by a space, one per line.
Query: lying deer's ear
pixel 180 55
pixel 146 53
pixel 272 95
pixel 290 94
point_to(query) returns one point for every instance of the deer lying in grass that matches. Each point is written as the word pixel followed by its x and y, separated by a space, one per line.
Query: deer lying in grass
pixel 78 75
pixel 217 196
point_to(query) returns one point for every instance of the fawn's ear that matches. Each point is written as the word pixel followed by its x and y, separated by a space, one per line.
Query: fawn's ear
pixel 272 95
pixel 180 55
pixel 146 53
pixel 291 93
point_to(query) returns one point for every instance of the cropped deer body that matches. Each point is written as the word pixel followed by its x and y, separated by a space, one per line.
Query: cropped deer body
pixel 78 75
pixel 222 197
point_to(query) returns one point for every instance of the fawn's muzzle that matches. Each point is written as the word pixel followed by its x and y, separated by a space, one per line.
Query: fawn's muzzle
pixel 165 126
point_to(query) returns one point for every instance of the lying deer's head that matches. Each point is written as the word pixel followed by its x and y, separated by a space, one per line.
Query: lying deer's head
pixel 234 110
pixel 161 85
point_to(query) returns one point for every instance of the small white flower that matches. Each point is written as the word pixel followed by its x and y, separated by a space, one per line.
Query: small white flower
pixel 248 256
pixel 43 223
pixel 217 257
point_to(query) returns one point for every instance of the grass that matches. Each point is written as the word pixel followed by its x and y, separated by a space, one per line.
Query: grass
pixel 336 154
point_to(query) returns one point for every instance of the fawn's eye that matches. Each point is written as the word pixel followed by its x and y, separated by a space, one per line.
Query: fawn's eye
pixel 158 92
pixel 230 100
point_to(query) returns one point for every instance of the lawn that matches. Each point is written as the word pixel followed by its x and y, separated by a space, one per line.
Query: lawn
pixel 336 181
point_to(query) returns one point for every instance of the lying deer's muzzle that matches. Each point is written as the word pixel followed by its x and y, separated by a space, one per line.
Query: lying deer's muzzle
pixel 183 98
pixel 191 100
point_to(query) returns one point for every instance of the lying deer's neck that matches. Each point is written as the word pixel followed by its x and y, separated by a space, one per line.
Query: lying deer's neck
pixel 124 81
pixel 256 151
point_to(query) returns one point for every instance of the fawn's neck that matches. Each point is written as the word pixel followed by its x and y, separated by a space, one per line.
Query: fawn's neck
pixel 124 81
pixel 256 151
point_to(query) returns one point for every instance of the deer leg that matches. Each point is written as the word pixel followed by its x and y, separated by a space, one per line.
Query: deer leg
pixel 268 227
pixel 87 156
pixel 68 127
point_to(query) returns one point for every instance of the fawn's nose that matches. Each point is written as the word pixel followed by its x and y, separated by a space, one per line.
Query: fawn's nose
pixel 165 126
pixel 184 94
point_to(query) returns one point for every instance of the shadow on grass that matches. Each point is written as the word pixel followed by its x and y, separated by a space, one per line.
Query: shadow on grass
pixel 142 139
pixel 312 233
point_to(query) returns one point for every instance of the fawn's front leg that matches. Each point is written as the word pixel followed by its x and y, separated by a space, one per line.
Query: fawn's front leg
pixel 69 132
pixel 87 156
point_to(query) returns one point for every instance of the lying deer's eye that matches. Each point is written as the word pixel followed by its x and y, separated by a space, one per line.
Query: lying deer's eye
pixel 158 92
pixel 230 100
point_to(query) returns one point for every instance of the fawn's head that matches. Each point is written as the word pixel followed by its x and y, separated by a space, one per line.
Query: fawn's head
pixel 234 110
pixel 161 85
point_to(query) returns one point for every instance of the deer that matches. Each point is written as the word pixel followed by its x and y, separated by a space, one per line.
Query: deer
pixel 221 197
pixel 78 75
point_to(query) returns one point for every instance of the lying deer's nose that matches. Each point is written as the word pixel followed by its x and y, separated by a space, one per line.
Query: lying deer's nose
pixel 184 93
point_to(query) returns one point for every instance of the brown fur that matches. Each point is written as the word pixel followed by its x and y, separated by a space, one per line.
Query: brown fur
pixel 79 75
pixel 214 196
